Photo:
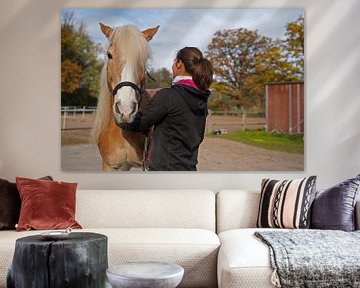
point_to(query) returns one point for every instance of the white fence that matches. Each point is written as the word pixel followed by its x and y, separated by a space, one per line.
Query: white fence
pixel 235 121
pixel 74 111
pixel 76 118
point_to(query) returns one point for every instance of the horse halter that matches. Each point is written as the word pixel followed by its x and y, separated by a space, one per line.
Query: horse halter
pixel 128 84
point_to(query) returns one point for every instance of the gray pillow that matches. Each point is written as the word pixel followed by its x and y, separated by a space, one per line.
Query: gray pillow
pixel 334 208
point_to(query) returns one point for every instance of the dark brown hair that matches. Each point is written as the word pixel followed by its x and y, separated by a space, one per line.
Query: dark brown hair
pixel 197 66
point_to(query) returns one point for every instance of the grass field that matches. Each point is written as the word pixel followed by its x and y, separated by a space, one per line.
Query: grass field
pixel 271 141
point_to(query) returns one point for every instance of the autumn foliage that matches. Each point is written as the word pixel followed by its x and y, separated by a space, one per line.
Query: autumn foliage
pixel 80 65
pixel 244 61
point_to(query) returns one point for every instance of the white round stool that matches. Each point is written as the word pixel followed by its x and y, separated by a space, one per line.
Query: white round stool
pixel 145 275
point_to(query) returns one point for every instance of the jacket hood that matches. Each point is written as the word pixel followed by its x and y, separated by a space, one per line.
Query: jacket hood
pixel 196 99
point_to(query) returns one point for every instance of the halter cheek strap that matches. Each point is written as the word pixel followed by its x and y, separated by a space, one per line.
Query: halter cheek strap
pixel 126 83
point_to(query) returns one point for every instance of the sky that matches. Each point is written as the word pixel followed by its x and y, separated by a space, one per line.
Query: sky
pixel 185 27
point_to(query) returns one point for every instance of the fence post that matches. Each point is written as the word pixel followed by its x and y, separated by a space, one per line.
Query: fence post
pixel 83 112
pixel 64 118
pixel 243 120
pixel 208 122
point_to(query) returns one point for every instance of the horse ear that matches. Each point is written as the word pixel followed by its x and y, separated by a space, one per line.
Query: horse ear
pixel 149 33
pixel 106 30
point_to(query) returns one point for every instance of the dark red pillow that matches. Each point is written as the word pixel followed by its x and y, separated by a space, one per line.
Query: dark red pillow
pixel 10 204
pixel 46 204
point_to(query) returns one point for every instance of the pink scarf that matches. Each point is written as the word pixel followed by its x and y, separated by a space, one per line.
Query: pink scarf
pixel 185 80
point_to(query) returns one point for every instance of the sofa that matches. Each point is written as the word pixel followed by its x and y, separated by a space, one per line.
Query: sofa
pixel 209 234
pixel 175 226
pixel 244 260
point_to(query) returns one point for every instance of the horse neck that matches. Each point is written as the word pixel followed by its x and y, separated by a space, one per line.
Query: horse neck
pixel 111 118
pixel 104 114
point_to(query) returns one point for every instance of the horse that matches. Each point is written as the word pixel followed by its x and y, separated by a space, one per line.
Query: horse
pixel 122 89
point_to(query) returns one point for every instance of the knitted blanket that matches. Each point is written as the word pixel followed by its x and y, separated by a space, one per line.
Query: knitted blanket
pixel 313 258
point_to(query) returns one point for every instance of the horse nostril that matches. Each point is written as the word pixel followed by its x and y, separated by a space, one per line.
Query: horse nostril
pixel 134 109
pixel 117 110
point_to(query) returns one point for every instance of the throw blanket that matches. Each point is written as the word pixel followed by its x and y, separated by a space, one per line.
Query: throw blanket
pixel 314 258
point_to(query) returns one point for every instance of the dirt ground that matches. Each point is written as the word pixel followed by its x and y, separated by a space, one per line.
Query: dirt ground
pixel 225 155
pixel 215 154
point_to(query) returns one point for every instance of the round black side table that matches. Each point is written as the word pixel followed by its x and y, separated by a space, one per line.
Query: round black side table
pixel 80 260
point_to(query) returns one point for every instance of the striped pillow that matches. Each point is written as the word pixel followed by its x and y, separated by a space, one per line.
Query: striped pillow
pixel 286 204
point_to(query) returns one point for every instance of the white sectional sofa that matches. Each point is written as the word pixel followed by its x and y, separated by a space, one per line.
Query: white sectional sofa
pixel 210 235
pixel 243 260
pixel 175 226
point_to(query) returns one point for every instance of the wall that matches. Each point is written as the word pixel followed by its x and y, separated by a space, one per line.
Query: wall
pixel 30 95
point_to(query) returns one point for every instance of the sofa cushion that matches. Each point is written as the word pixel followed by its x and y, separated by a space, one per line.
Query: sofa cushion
pixel 244 260
pixel 196 250
pixel 153 209
pixel 286 204
pixel 46 204
pixel 236 209
pixel 10 204
pixel 334 208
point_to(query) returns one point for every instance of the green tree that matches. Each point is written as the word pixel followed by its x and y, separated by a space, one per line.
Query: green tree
pixel 162 78
pixel 80 65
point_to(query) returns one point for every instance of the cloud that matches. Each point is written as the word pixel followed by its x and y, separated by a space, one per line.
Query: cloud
pixel 186 27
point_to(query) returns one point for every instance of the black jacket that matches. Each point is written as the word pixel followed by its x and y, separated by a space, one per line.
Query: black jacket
pixel 178 114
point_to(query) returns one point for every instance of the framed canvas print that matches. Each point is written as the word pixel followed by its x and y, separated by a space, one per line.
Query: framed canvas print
pixel 182 89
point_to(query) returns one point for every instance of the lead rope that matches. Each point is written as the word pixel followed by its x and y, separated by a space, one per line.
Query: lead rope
pixel 151 77
pixel 145 154
pixel 146 144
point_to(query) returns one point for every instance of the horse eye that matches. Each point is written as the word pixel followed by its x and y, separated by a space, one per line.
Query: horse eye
pixel 109 55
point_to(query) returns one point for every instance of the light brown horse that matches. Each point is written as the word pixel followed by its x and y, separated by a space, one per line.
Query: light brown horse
pixel 121 90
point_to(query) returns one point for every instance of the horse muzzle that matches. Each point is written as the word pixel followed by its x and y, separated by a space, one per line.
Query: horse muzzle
pixel 125 114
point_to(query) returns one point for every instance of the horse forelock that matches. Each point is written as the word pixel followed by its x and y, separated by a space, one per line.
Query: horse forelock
pixel 132 46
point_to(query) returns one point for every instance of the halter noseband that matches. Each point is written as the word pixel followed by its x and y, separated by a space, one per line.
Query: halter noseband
pixel 129 84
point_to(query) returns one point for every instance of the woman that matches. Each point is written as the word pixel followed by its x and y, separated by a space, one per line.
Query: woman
pixel 178 114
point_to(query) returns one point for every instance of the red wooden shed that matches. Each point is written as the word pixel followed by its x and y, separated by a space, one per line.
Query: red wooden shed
pixel 285 107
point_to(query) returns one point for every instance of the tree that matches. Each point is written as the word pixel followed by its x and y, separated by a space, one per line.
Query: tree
pixel 234 54
pixel 70 76
pixel 245 61
pixel 294 44
pixel 80 65
pixel 162 78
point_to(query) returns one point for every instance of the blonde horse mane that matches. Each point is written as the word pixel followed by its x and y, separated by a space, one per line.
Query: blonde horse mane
pixel 135 50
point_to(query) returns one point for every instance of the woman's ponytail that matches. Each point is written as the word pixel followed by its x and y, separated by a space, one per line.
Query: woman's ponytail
pixel 197 66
